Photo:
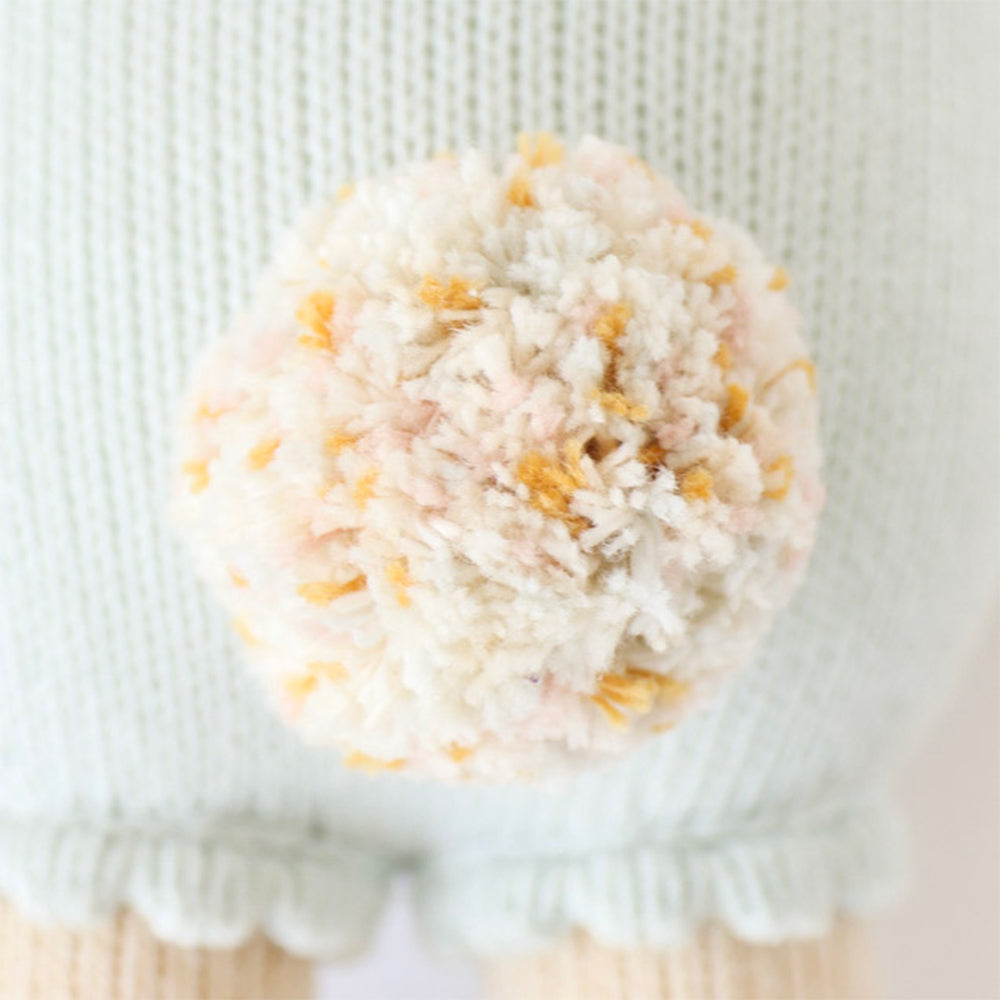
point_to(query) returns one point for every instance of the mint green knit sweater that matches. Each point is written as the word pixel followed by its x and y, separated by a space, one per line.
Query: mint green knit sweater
pixel 151 154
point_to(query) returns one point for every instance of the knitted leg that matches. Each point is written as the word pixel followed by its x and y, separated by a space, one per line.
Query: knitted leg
pixel 121 960
pixel 715 966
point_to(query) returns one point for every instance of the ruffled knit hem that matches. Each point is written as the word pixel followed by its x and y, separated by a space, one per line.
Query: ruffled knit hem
pixel 763 886
pixel 210 888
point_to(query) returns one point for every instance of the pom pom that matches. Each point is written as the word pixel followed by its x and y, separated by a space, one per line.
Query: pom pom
pixel 503 471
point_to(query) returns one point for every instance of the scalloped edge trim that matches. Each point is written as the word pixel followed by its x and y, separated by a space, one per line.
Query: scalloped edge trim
pixel 764 887
pixel 210 888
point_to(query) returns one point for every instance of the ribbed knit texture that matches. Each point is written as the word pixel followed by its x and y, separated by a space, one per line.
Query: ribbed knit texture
pixel 151 152
pixel 121 960
pixel 714 966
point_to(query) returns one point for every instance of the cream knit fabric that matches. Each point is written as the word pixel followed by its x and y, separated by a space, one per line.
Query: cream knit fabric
pixel 121 960
pixel 713 966
pixel 152 152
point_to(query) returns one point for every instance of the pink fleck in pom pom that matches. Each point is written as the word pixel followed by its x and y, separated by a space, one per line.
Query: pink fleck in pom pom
pixel 503 471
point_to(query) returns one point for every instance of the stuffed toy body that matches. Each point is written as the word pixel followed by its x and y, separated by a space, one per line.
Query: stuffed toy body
pixel 153 158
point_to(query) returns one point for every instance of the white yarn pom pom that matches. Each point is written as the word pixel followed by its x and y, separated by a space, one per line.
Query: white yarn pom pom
pixel 503 471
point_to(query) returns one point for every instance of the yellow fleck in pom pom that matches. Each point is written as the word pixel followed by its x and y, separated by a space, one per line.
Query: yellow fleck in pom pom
pixel 321 592
pixel 261 454
pixel 540 149
pixel 364 488
pixel 197 473
pixel 735 409
pixel 455 295
pixel 336 442
pixel 315 313
pixel 724 276
pixel 519 191
pixel 372 765
pixel 779 280
pixel 696 484
pixel 506 468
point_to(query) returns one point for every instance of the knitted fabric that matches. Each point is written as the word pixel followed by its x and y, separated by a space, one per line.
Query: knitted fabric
pixel 503 471
pixel 151 153
pixel 121 960
pixel 713 966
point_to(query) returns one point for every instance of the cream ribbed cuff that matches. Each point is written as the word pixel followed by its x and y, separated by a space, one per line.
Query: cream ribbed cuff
pixel 716 966
pixel 121 960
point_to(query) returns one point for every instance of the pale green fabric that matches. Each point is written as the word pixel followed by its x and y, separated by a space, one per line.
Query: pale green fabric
pixel 151 154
